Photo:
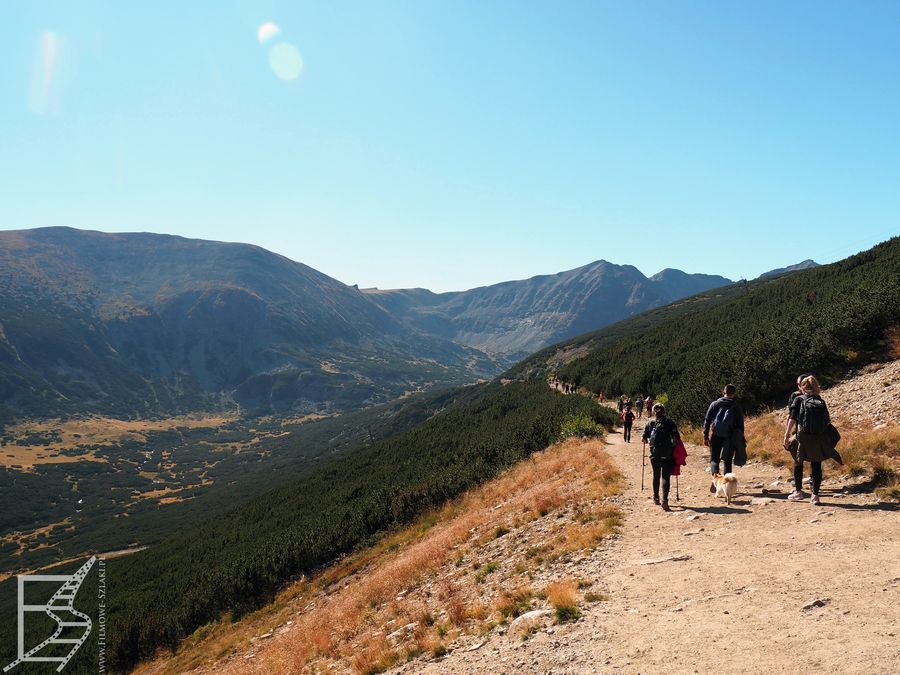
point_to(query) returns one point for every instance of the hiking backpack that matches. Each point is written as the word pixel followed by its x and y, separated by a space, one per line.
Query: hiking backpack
pixel 662 441
pixel 813 415
pixel 724 421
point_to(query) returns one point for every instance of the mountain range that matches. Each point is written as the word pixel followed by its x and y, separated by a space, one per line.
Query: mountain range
pixel 137 324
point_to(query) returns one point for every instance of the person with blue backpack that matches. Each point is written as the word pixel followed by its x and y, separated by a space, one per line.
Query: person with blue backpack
pixel 723 427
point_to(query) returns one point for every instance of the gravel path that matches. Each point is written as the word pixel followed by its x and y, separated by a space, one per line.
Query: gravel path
pixel 735 601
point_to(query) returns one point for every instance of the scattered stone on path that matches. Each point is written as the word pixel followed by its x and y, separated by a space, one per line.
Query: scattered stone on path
pixel 528 616
pixel 477 645
pixel 656 561
pixel 818 602
pixel 692 532
pixel 693 516
pixel 761 501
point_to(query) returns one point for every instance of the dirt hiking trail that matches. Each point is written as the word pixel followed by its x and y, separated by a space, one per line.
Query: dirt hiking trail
pixel 733 598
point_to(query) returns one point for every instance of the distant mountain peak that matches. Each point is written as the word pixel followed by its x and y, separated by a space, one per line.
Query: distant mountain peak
pixel 805 265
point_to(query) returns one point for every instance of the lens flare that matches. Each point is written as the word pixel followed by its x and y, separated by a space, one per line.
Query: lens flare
pixel 267 31
pixel 285 61
pixel 44 76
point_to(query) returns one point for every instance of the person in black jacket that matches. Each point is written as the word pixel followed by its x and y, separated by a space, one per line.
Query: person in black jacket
pixel 662 434
pixel 628 421
pixel 723 418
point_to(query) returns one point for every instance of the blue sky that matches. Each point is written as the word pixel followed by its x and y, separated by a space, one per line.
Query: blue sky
pixel 454 144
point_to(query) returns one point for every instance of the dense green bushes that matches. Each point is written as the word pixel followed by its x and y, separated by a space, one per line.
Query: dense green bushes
pixel 234 563
pixel 822 320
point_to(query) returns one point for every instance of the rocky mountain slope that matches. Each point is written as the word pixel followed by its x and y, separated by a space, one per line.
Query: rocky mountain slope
pixel 515 318
pixel 144 323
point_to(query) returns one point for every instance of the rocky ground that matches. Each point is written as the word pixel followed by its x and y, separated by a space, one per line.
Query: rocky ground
pixel 764 585
pixel 871 397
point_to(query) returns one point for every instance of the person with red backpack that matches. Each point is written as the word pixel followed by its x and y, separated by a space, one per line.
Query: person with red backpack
pixel 810 417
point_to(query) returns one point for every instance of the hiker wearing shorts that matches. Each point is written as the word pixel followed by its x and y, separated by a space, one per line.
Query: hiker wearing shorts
pixel 640 407
pixel 628 421
pixel 662 434
pixel 723 418
pixel 809 415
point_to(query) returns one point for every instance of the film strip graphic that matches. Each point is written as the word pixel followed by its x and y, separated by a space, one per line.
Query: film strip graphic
pixel 62 602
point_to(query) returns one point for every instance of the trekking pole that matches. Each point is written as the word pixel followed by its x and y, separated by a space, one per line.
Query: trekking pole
pixel 643 458
pixel 677 498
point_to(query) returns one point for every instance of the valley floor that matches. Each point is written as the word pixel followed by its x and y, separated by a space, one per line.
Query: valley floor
pixel 735 601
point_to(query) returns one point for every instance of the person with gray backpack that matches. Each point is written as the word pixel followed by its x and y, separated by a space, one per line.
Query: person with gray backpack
pixel 723 426
pixel 810 417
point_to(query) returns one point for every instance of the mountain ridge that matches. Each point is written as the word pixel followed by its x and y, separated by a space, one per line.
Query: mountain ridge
pixel 143 323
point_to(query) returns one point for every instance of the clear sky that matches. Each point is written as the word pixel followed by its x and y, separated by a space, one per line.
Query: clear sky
pixel 454 144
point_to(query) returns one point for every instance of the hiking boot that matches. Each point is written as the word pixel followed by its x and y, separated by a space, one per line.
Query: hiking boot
pixel 796 496
pixel 665 506
pixel 656 500
pixel 712 487
pixel 814 499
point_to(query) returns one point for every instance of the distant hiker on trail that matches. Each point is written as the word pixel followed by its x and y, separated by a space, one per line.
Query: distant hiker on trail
pixel 809 415
pixel 648 404
pixel 628 421
pixel 726 421
pixel 621 405
pixel 640 407
pixel 662 434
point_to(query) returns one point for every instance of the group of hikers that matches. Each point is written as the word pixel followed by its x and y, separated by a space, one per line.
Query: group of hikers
pixel 626 404
pixel 809 436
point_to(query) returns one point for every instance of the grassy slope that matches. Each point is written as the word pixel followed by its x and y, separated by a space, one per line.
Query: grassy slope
pixel 235 562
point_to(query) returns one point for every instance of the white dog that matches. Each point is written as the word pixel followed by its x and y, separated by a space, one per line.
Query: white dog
pixel 726 486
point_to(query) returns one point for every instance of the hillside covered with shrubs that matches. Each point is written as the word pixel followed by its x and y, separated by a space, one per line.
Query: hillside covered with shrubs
pixel 759 336
pixel 235 563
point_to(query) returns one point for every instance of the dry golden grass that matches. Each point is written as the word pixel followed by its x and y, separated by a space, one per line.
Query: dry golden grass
pixel 865 450
pixel 374 657
pixel 562 593
pixel 893 336
pixel 515 602
pixel 338 615
pixel 691 434
pixel 563 596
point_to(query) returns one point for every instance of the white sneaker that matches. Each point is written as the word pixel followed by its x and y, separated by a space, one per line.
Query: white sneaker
pixel 814 499
pixel 796 496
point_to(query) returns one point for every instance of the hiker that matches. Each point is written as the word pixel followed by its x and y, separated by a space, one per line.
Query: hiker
pixel 662 434
pixel 648 404
pixel 798 391
pixel 628 421
pixel 621 405
pixel 726 420
pixel 809 415
pixel 640 407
